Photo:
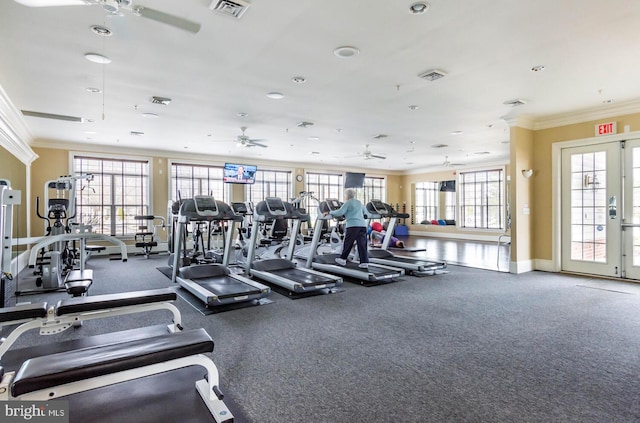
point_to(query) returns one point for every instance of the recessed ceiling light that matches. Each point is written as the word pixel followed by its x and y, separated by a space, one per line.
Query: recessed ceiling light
pixel 490 125
pixel 456 133
pixel 242 114
pixel 418 7
pixel 299 79
pixel 89 120
pixel 90 132
pixel 339 129
pixel 413 107
pixel 314 138
pixel 346 52
pixel 93 90
pixel 275 95
pixel 315 153
pixel 97 58
pixel 412 142
pixel 150 115
pixel 103 31
pixel 538 68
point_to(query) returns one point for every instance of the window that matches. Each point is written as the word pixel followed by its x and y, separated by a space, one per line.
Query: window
pixel 323 186
pixel 449 205
pixel 119 191
pixel 426 201
pixel 373 189
pixel 188 180
pixel 482 199
pixel 269 183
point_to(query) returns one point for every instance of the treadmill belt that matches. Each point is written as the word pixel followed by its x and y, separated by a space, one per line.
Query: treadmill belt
pixel 302 277
pixel 225 286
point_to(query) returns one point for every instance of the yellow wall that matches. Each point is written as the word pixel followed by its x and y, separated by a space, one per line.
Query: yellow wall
pixel 542 163
pixel 16 172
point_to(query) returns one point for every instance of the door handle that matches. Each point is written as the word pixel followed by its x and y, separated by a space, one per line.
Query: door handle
pixel 613 207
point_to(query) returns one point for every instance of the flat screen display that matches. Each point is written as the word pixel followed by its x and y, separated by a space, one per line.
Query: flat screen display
pixel 353 180
pixel 448 186
pixel 234 173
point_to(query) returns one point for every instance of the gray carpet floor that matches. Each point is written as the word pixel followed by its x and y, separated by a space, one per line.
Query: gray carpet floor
pixel 469 346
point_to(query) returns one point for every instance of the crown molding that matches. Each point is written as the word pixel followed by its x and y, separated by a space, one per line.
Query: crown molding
pixel 14 134
pixel 585 115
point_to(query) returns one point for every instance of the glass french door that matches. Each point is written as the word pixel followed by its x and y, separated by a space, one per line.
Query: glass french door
pixel 601 209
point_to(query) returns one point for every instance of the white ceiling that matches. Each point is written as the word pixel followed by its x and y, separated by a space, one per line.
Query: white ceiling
pixel 487 47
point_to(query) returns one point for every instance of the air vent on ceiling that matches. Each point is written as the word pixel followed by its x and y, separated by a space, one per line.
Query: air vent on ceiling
pixel 516 102
pixel 235 8
pixel 160 100
pixel 304 124
pixel 433 74
pixel 51 116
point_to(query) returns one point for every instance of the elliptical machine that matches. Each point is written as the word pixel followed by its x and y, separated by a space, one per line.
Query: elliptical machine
pixel 54 263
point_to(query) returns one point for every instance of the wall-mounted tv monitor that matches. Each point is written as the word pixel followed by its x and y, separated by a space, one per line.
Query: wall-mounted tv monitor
pixel 353 180
pixel 234 173
pixel 448 186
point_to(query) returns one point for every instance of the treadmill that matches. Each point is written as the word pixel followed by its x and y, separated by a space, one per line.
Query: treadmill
pixel 326 262
pixel 418 267
pixel 214 284
pixel 279 271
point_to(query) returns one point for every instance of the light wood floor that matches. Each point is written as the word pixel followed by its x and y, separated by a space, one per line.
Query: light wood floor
pixel 483 255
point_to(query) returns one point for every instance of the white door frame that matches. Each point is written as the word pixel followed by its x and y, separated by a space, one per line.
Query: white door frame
pixel 556 190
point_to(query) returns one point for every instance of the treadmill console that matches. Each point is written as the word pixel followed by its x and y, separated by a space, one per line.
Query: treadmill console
pixel 333 204
pixel 275 206
pixel 240 208
pixel 205 205
pixel 379 207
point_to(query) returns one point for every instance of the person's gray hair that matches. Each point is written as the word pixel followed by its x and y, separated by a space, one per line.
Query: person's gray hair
pixel 350 193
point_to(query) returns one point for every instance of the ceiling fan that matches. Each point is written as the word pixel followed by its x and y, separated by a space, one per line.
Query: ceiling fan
pixel 368 155
pixel 114 7
pixel 245 141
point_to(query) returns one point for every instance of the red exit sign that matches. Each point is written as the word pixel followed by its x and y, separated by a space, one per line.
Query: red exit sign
pixel 606 128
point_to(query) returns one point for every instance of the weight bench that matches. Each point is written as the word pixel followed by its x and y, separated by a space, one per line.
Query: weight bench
pixel 69 312
pixel 66 373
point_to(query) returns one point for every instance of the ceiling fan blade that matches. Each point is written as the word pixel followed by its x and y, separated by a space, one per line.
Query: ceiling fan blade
pixel 256 144
pixel 257 140
pixel 376 156
pixel 166 18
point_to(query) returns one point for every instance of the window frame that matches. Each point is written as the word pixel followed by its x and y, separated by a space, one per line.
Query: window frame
pixel 502 199
pixel 117 158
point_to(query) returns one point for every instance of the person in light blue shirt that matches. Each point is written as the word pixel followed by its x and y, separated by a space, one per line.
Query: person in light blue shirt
pixel 355 228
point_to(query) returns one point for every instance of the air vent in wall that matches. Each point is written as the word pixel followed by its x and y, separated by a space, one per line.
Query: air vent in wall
pixel 234 8
pixel 432 75
pixel 51 116
pixel 516 102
